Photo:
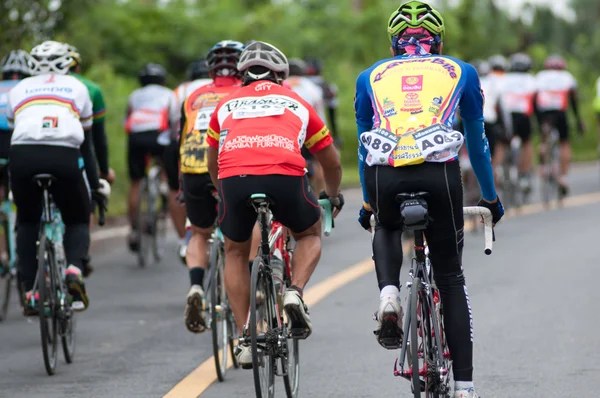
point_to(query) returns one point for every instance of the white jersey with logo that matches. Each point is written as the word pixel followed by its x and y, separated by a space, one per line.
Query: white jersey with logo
pixel 179 95
pixel 553 87
pixel 310 92
pixel 492 86
pixel 148 109
pixel 517 95
pixel 49 109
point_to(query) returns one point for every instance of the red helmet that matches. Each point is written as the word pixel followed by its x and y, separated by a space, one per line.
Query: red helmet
pixel 555 62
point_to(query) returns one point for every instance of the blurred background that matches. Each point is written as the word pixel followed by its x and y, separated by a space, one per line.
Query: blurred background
pixel 117 37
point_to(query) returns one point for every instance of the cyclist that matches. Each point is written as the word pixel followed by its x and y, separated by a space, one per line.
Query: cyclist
pixel 99 139
pixel 313 72
pixel 197 76
pixel 258 150
pixel 516 101
pixel 201 205
pixel 556 89
pixel 147 117
pixel 492 85
pixel 51 114
pixel 414 96
pixel 14 69
pixel 313 94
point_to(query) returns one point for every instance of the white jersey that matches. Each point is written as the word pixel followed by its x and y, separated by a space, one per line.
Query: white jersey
pixel 492 86
pixel 148 109
pixel 517 95
pixel 553 87
pixel 179 95
pixel 310 92
pixel 49 109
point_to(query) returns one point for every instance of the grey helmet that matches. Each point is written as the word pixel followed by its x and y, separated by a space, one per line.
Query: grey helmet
pixel 266 55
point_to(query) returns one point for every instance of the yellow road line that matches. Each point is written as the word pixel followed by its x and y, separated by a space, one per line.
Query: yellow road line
pixel 198 381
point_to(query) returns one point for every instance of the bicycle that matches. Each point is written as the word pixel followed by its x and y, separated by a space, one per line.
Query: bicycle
pixel 218 312
pixel 549 159
pixel 151 215
pixel 54 302
pixel 515 194
pixel 270 338
pixel 8 266
pixel 426 348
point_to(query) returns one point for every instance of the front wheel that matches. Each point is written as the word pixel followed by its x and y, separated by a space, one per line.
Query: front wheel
pixel 219 323
pixel 47 303
pixel 262 317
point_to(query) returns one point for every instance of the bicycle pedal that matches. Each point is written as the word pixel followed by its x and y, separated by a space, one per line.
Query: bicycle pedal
pixel 298 333
pixel 390 335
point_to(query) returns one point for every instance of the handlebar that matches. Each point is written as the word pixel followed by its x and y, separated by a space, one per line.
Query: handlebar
pixel 486 214
pixel 326 205
pixel 101 205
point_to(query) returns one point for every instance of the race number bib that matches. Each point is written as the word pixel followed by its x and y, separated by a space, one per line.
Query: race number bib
pixel 203 118
pixel 258 111
pixel 379 144
pixel 438 143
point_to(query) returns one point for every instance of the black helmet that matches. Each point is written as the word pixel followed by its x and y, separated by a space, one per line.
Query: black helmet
pixel 297 67
pixel 152 74
pixel 314 66
pixel 224 55
pixel 520 62
pixel 198 69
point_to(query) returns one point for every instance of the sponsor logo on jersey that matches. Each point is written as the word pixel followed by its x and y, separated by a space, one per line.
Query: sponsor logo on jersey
pixel 49 122
pixel 389 108
pixel 436 105
pixel 412 83
pixel 412 100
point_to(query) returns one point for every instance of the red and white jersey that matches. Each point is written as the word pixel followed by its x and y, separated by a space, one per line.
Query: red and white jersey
pixel 553 87
pixel 310 92
pixel 148 109
pixel 179 95
pixel 49 109
pixel 260 130
pixel 518 92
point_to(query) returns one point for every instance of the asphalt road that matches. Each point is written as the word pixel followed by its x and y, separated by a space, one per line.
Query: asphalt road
pixel 534 305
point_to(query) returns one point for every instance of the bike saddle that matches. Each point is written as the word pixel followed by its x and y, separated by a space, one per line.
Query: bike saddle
pixel 401 197
pixel 260 199
pixel 43 180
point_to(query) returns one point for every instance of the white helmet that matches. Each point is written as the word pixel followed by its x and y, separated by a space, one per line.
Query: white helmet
pixel 51 57
pixel 16 61
pixel 266 55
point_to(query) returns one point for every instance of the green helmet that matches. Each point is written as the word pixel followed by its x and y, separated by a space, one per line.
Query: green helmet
pixel 416 14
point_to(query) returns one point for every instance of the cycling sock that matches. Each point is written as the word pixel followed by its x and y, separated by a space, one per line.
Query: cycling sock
pixel 463 385
pixel 388 291
pixel 296 288
pixel 197 276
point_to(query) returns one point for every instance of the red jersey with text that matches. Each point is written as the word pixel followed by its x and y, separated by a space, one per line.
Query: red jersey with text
pixel 260 130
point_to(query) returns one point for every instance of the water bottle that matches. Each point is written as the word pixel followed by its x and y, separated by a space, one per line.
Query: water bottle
pixel 277 265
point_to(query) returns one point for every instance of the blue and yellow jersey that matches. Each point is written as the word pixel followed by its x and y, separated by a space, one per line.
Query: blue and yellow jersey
pixel 5 87
pixel 416 98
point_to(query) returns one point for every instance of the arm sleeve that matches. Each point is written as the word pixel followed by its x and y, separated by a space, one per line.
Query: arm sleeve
pixel 471 110
pixel 87 153
pixel 100 145
pixel 364 122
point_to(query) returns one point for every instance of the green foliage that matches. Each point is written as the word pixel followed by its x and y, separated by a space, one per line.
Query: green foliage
pixel 116 37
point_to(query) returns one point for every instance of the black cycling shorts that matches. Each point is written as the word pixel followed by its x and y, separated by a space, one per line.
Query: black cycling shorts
pixel 295 205
pixel 140 146
pixel 557 119
pixel 521 126
pixel 200 204
pixel 171 157
pixel 495 134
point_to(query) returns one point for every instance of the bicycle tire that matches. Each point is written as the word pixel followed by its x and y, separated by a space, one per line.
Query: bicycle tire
pixel 68 336
pixel 154 215
pixel 142 223
pixel 414 341
pixel 49 335
pixel 261 360
pixel 218 311
pixel 291 380
pixel 7 278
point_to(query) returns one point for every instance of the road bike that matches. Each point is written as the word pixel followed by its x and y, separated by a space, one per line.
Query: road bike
pixel 54 302
pixel 515 193
pixel 8 264
pixel 151 218
pixel 424 346
pixel 549 163
pixel 275 348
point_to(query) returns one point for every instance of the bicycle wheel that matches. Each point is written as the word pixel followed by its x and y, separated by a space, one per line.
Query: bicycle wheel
pixel 68 335
pixel 291 380
pixel 415 324
pixel 47 303
pixel 262 315
pixel 5 274
pixel 219 324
